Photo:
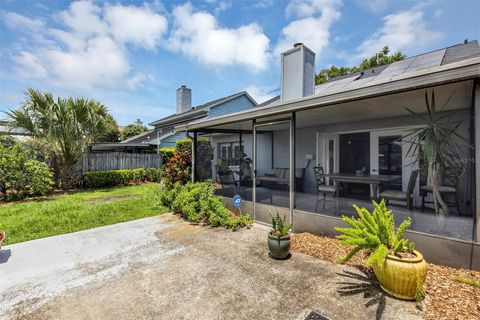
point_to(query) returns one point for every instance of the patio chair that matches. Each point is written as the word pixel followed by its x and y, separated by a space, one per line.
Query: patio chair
pixel 398 195
pixel 449 187
pixel 227 178
pixel 322 186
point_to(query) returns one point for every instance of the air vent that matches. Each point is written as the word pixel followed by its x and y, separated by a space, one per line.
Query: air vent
pixel 315 316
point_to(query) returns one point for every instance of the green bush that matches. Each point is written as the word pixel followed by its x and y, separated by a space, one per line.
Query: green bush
pixel 111 178
pixel 21 175
pixel 196 202
pixel 374 232
pixel 184 145
pixel 153 174
pixel 167 153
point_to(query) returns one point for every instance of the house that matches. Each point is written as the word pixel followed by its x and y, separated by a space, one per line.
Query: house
pixel 5 130
pixel 317 150
pixel 164 135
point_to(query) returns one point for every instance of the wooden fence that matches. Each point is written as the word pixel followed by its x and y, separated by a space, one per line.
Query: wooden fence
pixel 119 161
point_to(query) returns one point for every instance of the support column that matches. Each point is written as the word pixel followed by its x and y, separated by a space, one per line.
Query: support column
pixel 476 101
pixel 292 167
pixel 194 156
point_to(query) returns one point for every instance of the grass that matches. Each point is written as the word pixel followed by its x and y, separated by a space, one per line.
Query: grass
pixel 66 213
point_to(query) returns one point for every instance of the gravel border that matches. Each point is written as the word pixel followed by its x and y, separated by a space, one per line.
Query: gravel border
pixel 445 297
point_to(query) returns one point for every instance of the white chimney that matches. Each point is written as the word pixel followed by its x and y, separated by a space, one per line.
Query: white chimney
pixel 298 73
pixel 184 99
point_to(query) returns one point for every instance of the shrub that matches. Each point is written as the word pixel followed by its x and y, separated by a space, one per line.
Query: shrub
pixel 153 174
pixel 178 169
pixel 111 178
pixel 374 232
pixel 21 175
pixel 196 202
pixel 167 153
pixel 167 195
pixel 184 145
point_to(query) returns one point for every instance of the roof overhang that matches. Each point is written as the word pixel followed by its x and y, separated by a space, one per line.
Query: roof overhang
pixel 453 72
pixel 180 118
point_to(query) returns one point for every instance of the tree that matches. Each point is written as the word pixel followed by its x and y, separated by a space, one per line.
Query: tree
pixel 66 125
pixel 438 144
pixel 132 130
pixel 380 58
pixel 108 131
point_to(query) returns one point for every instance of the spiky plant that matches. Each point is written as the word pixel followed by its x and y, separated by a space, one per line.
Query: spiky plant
pixel 374 232
pixel 279 227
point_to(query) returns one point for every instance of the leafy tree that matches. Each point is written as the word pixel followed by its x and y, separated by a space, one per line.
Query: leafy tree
pixel 132 130
pixel 380 58
pixel 108 131
pixel 66 125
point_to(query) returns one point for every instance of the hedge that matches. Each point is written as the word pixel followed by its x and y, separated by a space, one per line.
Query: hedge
pixel 111 178
pixel 167 153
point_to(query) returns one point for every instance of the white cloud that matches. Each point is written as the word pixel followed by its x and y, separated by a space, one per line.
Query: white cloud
pixel 261 94
pixel 405 31
pixel 197 35
pixel 262 4
pixel 139 26
pixel 88 48
pixel 29 65
pixel 312 27
pixel 15 20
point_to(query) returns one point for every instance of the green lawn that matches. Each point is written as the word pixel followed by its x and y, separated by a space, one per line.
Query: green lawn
pixel 60 214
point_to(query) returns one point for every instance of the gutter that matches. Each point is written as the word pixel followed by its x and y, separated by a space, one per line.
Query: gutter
pixel 453 72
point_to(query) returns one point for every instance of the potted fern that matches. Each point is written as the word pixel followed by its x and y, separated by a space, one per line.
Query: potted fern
pixel 279 238
pixel 400 269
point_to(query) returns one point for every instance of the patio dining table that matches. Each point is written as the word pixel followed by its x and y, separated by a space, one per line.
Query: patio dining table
pixel 373 180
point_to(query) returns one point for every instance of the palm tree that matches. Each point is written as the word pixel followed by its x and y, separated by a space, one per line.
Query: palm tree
pixel 66 125
pixel 438 144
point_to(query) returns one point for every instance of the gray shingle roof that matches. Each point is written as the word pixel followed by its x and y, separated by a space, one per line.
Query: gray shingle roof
pixel 197 111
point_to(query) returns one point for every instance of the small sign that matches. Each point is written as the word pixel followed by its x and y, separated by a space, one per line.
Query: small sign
pixel 237 200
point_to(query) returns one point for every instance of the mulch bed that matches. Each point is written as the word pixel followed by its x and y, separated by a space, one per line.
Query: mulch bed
pixel 445 297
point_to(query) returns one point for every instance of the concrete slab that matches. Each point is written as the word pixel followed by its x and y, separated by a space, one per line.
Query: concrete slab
pixel 165 268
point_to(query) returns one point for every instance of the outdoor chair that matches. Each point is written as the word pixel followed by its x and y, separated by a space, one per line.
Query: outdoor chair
pixel 227 178
pixel 398 195
pixel 322 186
pixel 449 187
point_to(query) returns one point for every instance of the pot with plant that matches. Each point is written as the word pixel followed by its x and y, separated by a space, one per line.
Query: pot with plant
pixel 279 238
pixel 400 269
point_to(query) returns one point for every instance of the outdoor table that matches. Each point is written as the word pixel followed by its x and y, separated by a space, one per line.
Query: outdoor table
pixel 373 180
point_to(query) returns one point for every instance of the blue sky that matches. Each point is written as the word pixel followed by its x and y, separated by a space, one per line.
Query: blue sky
pixel 132 55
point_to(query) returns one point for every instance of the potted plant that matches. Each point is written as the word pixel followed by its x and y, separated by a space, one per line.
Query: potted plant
pixel 2 237
pixel 279 238
pixel 400 269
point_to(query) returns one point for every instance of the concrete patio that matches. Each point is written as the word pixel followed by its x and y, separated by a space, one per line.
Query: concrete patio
pixel 165 268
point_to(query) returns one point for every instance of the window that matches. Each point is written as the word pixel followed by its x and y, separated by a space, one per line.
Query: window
pixel 230 152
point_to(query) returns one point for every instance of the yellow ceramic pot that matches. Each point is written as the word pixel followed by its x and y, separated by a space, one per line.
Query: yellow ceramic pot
pixel 401 277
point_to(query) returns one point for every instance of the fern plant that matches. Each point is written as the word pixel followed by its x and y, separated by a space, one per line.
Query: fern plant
pixel 279 227
pixel 374 232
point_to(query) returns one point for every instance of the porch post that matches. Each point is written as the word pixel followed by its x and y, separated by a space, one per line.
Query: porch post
pixel 254 153
pixel 476 101
pixel 194 156
pixel 292 167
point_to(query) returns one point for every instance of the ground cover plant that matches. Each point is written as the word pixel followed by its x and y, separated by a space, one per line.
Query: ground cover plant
pixel 48 216
pixel 197 203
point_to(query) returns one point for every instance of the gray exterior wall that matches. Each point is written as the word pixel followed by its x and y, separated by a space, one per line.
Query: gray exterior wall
pixel 171 140
pixel 238 104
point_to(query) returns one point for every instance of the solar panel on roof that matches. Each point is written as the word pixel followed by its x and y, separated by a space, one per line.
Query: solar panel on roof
pixel 432 59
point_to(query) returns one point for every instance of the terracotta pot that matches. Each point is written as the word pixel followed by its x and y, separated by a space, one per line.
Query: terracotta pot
pixel 279 247
pixel 2 237
pixel 401 277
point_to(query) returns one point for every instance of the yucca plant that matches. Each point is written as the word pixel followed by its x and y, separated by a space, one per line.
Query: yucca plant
pixel 374 232
pixel 279 227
